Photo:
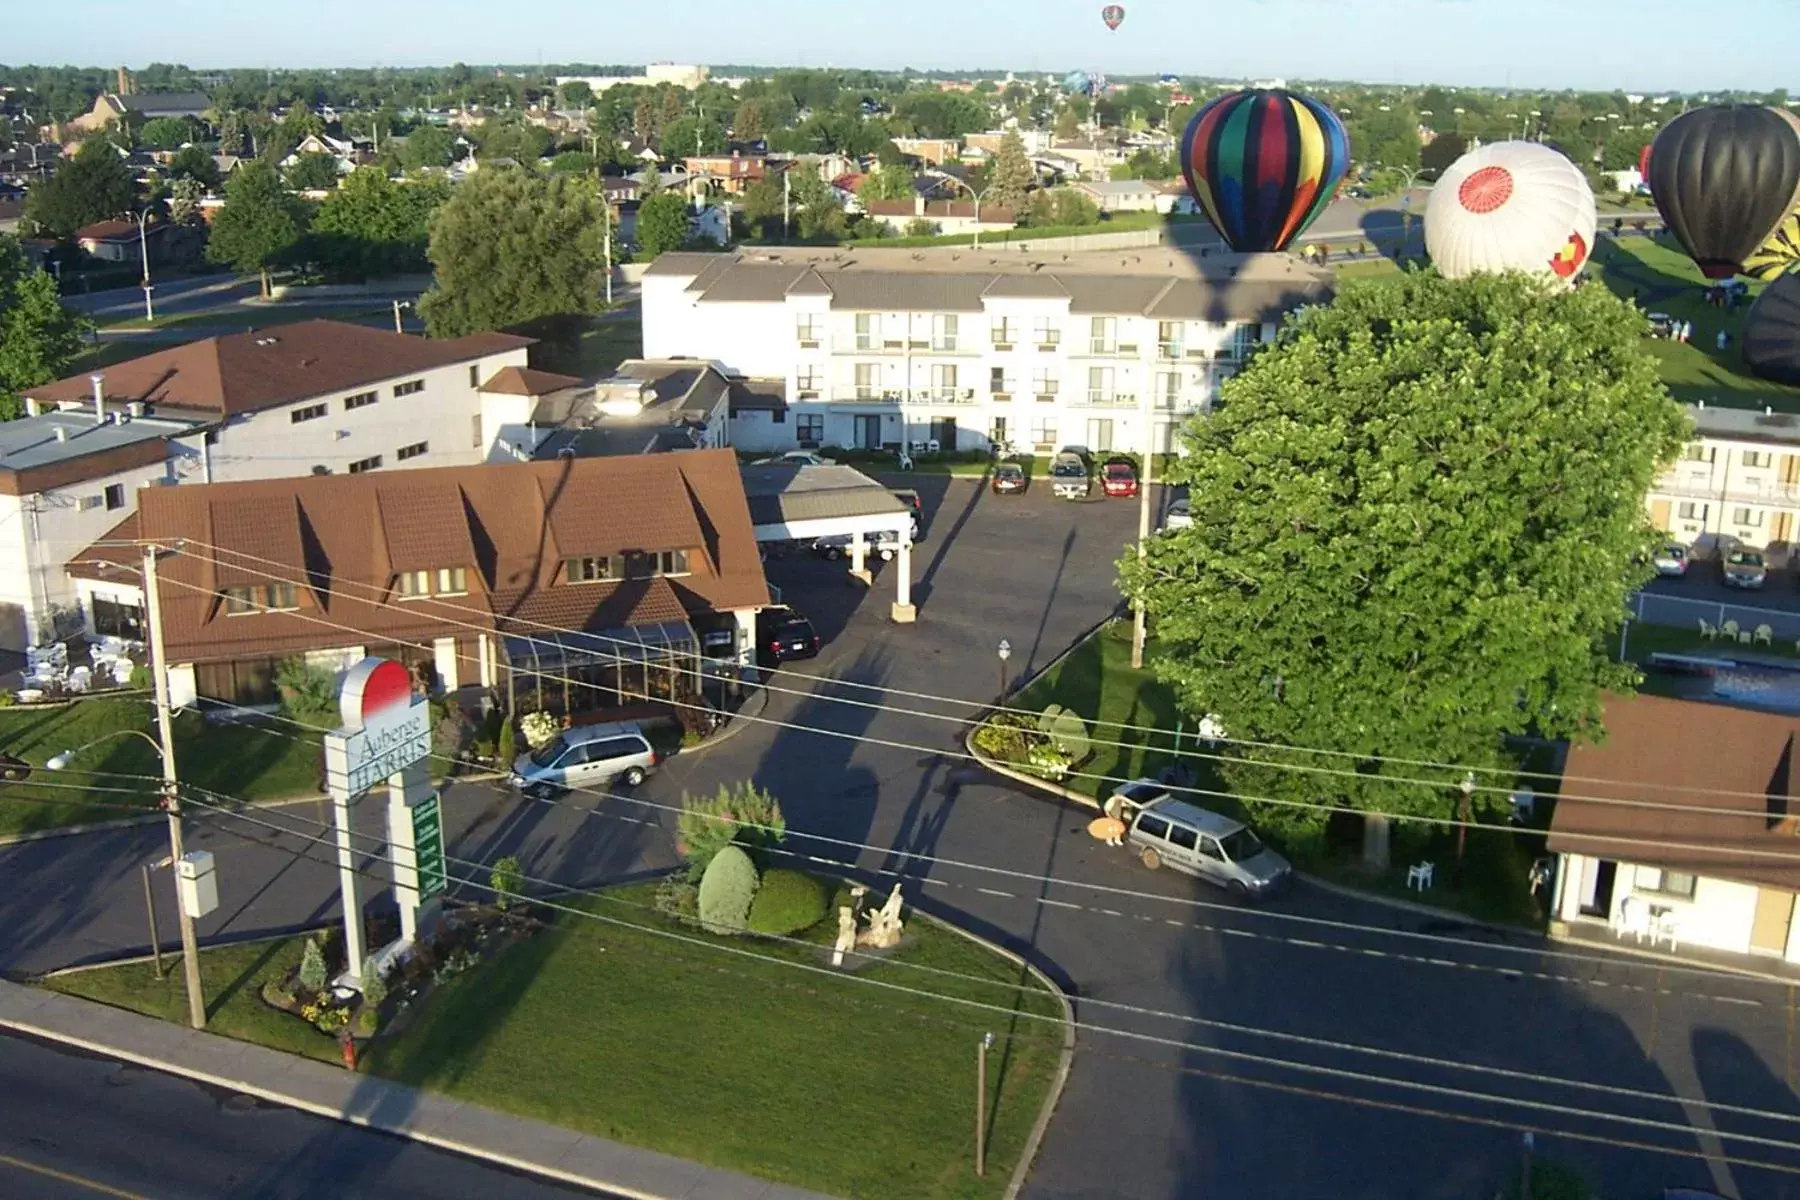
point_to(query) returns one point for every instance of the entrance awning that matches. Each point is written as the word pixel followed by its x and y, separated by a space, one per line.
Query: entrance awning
pixel 551 653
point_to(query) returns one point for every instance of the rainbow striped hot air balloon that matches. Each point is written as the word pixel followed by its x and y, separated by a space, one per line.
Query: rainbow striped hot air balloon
pixel 1263 163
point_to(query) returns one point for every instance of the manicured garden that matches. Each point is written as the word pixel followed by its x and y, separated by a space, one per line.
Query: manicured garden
pixel 699 1016
pixel 244 761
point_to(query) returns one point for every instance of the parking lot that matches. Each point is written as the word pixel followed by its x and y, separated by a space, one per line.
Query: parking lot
pixel 1701 596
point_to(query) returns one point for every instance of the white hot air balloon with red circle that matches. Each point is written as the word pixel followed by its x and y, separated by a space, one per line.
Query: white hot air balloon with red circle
pixel 1511 206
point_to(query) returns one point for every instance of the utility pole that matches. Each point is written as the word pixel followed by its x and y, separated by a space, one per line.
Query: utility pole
pixel 165 733
pixel 981 1051
pixel 786 233
pixel 1138 623
pixel 150 910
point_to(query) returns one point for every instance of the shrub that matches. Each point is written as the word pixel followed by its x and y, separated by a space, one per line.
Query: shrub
pixel 507 743
pixel 678 896
pixel 506 879
pixel 745 815
pixel 726 891
pixel 1552 1180
pixel 374 987
pixel 308 693
pixel 368 1020
pixel 312 967
pixel 787 902
pixel 1007 735
pixel 538 728
pixel 1066 731
pixel 275 994
pixel 920 227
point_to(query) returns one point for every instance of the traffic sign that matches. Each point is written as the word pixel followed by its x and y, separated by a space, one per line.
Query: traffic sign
pixel 428 847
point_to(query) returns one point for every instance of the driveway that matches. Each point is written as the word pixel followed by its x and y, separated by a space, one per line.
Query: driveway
pixel 1178 1089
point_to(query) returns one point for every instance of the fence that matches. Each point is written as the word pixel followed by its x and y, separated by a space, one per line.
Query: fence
pixel 1658 608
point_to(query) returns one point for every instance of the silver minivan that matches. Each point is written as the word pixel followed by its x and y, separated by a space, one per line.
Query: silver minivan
pixel 586 756
pixel 1196 841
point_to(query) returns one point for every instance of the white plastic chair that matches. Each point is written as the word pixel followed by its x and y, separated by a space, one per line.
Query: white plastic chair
pixel 1707 631
pixel 1419 875
pixel 1667 924
pixel 1765 636
pixel 80 679
pixel 1634 918
pixel 1730 630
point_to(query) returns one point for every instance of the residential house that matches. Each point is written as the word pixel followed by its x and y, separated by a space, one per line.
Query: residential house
pixel 947 216
pixel 1736 483
pixel 121 241
pixel 345 152
pixel 111 107
pixel 936 151
pixel 883 347
pixel 313 397
pixel 1121 195
pixel 731 173
pixel 1680 829
pixel 573 584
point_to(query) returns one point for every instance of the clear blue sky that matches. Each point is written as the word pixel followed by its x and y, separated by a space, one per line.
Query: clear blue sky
pixel 1638 45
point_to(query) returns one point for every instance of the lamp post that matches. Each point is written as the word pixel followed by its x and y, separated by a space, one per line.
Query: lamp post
pixel 1005 653
pixel 1467 788
pixel 143 219
pixel 398 305
pixel 981 1053
pixel 976 196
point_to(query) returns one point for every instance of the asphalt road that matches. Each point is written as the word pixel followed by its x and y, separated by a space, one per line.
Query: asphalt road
pixel 79 1126
pixel 1146 1113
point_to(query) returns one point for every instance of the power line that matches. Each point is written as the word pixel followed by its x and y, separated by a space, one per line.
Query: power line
pixel 1172 1043
pixel 984 706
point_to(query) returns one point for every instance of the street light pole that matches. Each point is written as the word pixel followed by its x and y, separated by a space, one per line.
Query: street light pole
pixel 144 249
pixel 1467 787
pixel 981 1053
pixel 1138 622
pixel 1005 653
pixel 165 732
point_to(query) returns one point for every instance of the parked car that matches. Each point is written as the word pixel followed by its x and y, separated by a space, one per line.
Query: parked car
pixel 1069 475
pixel 1671 560
pixel 1179 516
pixel 1119 478
pixel 911 499
pixel 1662 325
pixel 586 756
pixel 797 458
pixel 882 543
pixel 1009 478
pixel 781 634
pixel 1744 569
pixel 1207 845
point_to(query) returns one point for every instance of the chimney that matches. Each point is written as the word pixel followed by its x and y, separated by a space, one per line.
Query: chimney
pixel 99 382
pixel 124 82
pixel 135 408
pixel 33 408
pixel 62 433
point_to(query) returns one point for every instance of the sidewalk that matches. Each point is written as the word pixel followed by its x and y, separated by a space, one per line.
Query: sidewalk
pixel 359 1099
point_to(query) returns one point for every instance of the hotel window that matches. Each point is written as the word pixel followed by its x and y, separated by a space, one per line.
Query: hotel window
pixel 115 496
pixel 311 412
pixel 806 328
pixel 412 451
pixel 1006 332
pixel 409 388
pixel 360 400
pixel 865 381
pixel 1043 432
pixel 1045 333
pixel 1000 383
pixel 943 331
pixel 1100 385
pixel 868 330
pixel 1043 383
pixel 452 581
pixel 1759 458
pixel 1665 883
pixel 809 428
pixel 997 434
pixel 1168 389
pixel 1698 452
pixel 413 585
pixel 475 375
pixel 1687 510
pixel 807 379
pixel 371 463
pixel 650 564
pixel 271 597
pixel 1751 517
pixel 943 381
pixel 1103 335
pixel 1168 339
pixel 1244 339
pixel 598 569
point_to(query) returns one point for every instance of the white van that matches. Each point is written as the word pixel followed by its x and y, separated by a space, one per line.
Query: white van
pixel 586 756
pixel 1199 842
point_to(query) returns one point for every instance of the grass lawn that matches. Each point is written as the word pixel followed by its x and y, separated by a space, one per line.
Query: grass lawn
pixel 596 352
pixel 232 977
pixel 1096 680
pixel 243 761
pixel 253 317
pixel 1370 268
pixel 813 1080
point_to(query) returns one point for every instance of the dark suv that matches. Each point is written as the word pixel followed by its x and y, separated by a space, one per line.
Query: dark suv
pixel 781 634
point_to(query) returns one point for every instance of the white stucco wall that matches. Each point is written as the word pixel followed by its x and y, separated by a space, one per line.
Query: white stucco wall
pixel 1719 916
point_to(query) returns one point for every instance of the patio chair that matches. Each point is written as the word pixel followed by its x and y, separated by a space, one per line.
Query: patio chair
pixel 1765 636
pixel 1730 630
pixel 1708 631
pixel 80 679
pixel 1634 918
pixel 1666 925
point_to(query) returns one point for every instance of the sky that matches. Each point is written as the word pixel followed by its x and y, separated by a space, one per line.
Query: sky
pixel 1634 45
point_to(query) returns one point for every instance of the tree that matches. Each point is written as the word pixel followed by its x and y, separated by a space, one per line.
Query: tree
pixel 1012 174
pixel 1418 516
pixel 260 225
pixel 1443 150
pixel 95 185
pixel 191 162
pixel 662 225
pixel 887 183
pixel 576 94
pixel 646 120
pixel 1068 123
pixel 751 122
pixel 511 245
pixel 313 173
pixel 185 195
pixel 372 226
pixel 166 133
pixel 427 146
pixel 38 336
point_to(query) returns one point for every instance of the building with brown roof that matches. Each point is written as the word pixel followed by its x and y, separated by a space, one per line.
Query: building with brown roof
pixel 594 578
pixel 1681 828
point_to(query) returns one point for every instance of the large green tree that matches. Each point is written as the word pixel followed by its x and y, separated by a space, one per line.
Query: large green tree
pixel 191 162
pixel 1011 176
pixel 260 225
pixel 38 336
pixel 313 172
pixel 511 245
pixel 427 146
pixel 95 185
pixel 887 183
pixel 1417 518
pixel 662 225
pixel 373 226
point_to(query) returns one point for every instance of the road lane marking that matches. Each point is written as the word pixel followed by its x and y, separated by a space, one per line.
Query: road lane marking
pixel 81 1181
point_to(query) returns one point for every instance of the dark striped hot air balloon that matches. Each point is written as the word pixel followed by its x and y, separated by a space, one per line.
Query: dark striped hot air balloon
pixel 1724 177
pixel 1772 331
pixel 1262 164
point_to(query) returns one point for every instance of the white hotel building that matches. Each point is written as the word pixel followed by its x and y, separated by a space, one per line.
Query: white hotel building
pixel 879 348
pixel 1736 483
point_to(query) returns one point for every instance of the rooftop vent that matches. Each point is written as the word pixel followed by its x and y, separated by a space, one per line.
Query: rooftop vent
pixel 62 433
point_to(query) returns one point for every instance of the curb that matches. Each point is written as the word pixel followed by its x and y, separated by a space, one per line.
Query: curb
pixel 734 725
pixel 1675 960
pixel 1413 906
pixel 1064 1064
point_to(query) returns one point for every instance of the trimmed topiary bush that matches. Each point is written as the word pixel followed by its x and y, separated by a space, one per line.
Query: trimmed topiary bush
pixel 312 966
pixel 787 902
pixel 726 891
pixel 742 814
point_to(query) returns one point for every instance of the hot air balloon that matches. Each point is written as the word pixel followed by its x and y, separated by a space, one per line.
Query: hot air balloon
pixel 1078 83
pixel 1723 178
pixel 1262 163
pixel 1779 253
pixel 1112 14
pixel 1772 332
pixel 1510 206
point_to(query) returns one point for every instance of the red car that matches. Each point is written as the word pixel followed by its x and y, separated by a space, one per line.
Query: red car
pixel 1119 479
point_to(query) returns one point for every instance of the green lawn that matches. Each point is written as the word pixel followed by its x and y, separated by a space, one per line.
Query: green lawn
pixel 243 761
pixel 252 317
pixel 595 352
pixel 232 977
pixel 819 1081
pixel 1369 268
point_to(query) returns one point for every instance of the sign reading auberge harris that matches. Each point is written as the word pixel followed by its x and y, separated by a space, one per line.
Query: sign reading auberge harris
pixel 385 728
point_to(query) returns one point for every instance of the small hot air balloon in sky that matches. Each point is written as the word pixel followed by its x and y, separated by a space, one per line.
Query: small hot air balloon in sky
pixel 1723 178
pixel 1772 331
pixel 1113 14
pixel 1262 164
pixel 1510 206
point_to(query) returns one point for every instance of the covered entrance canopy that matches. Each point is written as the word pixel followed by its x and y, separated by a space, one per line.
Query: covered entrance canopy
pixel 587 670
pixel 793 502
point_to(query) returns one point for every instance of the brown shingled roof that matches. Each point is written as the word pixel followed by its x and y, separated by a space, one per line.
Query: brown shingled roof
pixel 1729 773
pixel 508 525
pixel 244 372
pixel 525 381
